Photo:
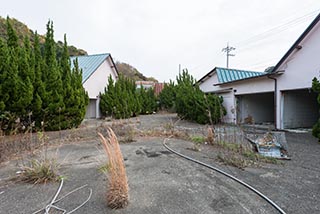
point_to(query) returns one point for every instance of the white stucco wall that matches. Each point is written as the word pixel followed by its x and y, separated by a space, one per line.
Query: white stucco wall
pixel 250 86
pixel 99 79
pixel 299 69
pixel 303 64
pixel 208 84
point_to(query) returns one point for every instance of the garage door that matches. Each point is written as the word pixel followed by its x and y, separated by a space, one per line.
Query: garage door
pixel 91 109
pixel 300 108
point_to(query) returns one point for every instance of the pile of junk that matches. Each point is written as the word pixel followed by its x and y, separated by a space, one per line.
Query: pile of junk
pixel 270 144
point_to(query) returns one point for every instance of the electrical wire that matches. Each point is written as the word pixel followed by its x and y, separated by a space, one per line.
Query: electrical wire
pixel 280 28
pixel 225 174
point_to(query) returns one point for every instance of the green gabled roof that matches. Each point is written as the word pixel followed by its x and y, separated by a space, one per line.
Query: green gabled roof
pixel 226 75
pixel 89 64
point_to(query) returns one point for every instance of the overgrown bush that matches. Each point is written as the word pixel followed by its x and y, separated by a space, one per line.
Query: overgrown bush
pixel 121 99
pixel 37 86
pixel 193 104
pixel 167 97
pixel 147 99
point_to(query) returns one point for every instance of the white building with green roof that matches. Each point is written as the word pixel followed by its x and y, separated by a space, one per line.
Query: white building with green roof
pixel 96 70
pixel 281 97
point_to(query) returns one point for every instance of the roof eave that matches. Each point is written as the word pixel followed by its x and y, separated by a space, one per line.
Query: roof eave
pixel 209 74
pixel 114 65
pixel 225 83
pixel 297 42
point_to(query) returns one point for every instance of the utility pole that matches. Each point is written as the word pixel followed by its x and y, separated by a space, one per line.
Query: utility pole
pixel 228 49
pixel 179 68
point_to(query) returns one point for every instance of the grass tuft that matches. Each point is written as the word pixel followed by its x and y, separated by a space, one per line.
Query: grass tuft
pixel 40 171
pixel 118 189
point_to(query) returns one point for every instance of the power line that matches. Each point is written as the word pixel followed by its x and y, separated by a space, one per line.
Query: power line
pixel 280 28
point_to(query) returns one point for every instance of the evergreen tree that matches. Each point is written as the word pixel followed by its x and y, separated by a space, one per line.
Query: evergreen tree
pixel 80 98
pixel 39 88
pixel 4 92
pixel 167 96
pixel 12 38
pixel 53 100
pixel 12 83
pixel 26 74
pixel 192 104
pixel 68 93
pixel 107 98
pixel 120 99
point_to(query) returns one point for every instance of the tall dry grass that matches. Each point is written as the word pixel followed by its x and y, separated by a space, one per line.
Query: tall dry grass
pixel 118 189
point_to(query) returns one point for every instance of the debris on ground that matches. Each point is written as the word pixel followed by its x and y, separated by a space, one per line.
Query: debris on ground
pixel 270 144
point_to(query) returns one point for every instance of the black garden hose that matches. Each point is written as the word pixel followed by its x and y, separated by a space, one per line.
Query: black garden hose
pixel 226 174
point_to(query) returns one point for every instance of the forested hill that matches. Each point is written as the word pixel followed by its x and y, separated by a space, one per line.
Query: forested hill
pixel 22 31
pixel 131 72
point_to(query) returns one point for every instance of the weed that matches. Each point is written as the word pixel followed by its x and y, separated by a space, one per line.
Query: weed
pixel 124 131
pixel 210 136
pixel 40 171
pixel 117 195
pixel 233 160
pixel 257 157
pixel 198 139
pixel 169 127
pixel 104 168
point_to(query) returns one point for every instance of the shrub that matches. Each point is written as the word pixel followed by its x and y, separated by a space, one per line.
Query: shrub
pixel 193 104
pixel 167 97
pixel 122 100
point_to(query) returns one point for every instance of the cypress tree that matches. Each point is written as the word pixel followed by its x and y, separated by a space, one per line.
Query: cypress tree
pixel 53 100
pixel 4 93
pixel 12 81
pixel 107 99
pixel 81 99
pixel 23 104
pixel 39 89
pixel 68 93
pixel 12 38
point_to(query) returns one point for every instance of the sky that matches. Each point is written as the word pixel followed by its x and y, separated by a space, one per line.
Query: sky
pixel 155 36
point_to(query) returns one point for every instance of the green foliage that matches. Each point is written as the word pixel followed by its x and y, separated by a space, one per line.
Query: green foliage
pixel 198 139
pixel 148 100
pixel 192 104
pixel 36 87
pixel 167 96
pixel 316 127
pixel 123 100
pixel 53 99
pixel 22 31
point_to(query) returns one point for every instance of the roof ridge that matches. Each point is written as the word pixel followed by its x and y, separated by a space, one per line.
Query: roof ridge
pixel 239 70
pixel 92 55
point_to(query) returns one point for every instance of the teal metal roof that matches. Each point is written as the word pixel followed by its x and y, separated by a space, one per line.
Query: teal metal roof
pixel 89 64
pixel 226 75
